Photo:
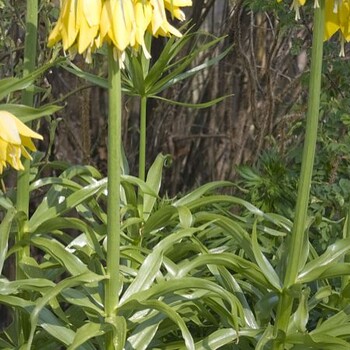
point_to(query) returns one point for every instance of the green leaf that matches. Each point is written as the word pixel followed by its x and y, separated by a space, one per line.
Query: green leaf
pixel 47 319
pixel 171 314
pixel 229 227
pixel 5 202
pixel 135 72
pixel 159 66
pixel 48 210
pixel 5 228
pixel 177 74
pixel 168 287
pixel 185 216
pixel 154 180
pixel 94 79
pixel 27 114
pixel 231 261
pixel 32 284
pixel 201 191
pixel 145 188
pixel 316 341
pixel 58 252
pixel 120 332
pixel 78 298
pixel 315 268
pixel 266 338
pixel 151 265
pixel 221 337
pixel 162 217
pixel 89 237
pixel 143 334
pixel 300 317
pixel 263 263
pixel 191 105
pixel 8 85
pixel 88 331
pixel 336 325
pixel 67 183
pixel 69 282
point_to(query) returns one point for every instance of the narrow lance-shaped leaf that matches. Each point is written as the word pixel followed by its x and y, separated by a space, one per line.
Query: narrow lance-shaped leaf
pixel 263 263
pixel 5 228
pixel 191 105
pixel 27 114
pixel 332 254
pixel 9 85
pixel 69 282
pixel 154 180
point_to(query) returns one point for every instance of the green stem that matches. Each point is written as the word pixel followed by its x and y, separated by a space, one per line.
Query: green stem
pixel 30 53
pixel 22 200
pixel 299 233
pixel 143 136
pixel 113 201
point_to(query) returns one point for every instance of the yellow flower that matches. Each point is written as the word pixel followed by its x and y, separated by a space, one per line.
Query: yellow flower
pixel 337 17
pixel 84 25
pixel 14 137
pixel 78 25
pixel 173 6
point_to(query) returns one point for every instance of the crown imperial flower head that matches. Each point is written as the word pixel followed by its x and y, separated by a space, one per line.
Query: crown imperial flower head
pixel 85 25
pixel 15 137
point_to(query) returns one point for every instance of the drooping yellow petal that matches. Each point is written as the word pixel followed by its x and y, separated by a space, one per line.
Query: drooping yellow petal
pixel 8 129
pixel 88 23
pixel 14 157
pixel 174 7
pixel 121 17
pixel 159 16
pixel 55 36
pixel 69 30
pixel 332 22
pixel 92 11
pixel 143 17
pixel 344 17
pixel 15 137
pixel 27 142
pixel 3 151
pixel 23 129
pixel 84 25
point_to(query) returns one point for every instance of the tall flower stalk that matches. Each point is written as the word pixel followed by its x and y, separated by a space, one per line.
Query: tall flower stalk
pixel 22 200
pixel 121 24
pixel 299 237
pixel 113 203
pixel 30 54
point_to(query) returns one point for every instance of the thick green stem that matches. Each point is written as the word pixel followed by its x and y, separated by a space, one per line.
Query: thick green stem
pixel 22 200
pixel 299 233
pixel 113 201
pixel 299 227
pixel 143 138
pixel 30 53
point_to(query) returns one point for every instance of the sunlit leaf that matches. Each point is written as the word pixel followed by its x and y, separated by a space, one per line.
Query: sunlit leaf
pixel 154 180
pixel 263 263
